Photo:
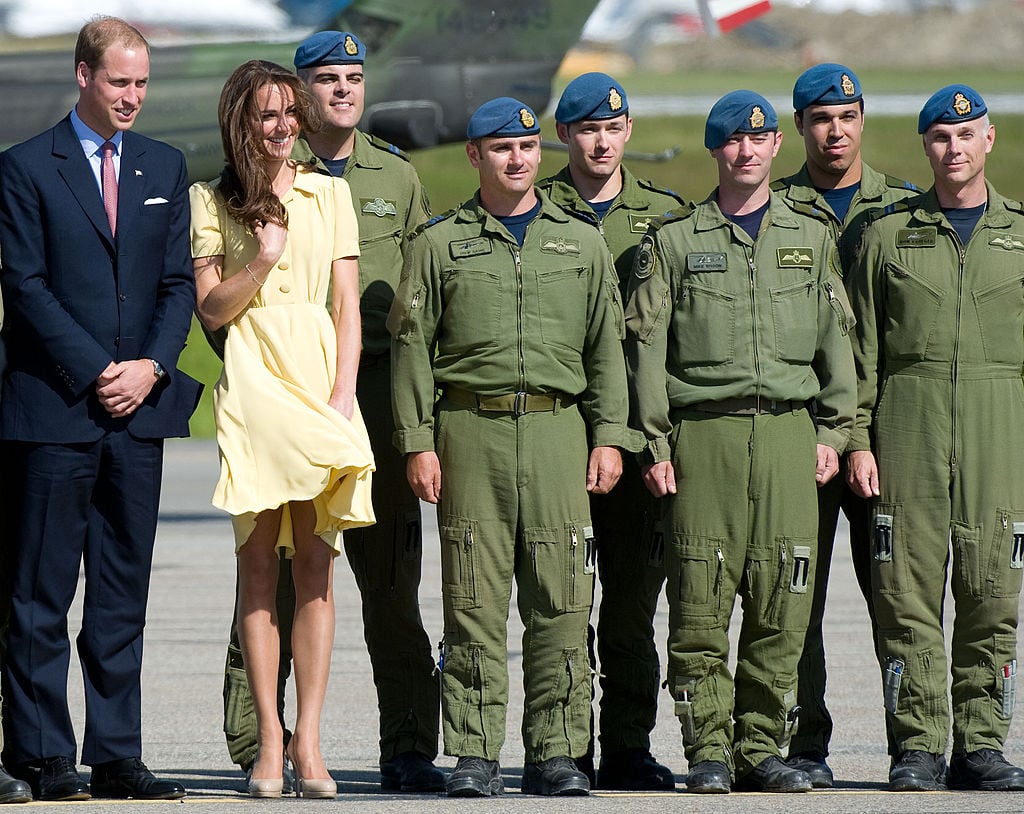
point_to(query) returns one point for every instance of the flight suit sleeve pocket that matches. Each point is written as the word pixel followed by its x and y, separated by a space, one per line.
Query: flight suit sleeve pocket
pixel 401 317
pixel 648 301
pixel 458 563
pixel 559 563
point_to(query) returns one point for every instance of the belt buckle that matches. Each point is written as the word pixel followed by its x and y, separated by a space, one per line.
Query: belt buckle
pixel 519 404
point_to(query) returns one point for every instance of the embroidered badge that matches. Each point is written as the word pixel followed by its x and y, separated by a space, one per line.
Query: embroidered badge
pixel 638 223
pixel 560 246
pixel 1008 242
pixel 378 207
pixel 961 105
pixel 614 99
pixel 526 118
pixel 847 85
pixel 791 257
pixel 643 263
pixel 350 46
pixel 922 237
pixel 706 261
pixel 470 248
pixel 756 118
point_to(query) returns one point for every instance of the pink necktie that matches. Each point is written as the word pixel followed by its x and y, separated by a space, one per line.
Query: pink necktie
pixel 109 181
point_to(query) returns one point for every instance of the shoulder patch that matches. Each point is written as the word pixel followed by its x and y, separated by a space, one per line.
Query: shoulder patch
pixel 918 237
pixel 469 248
pixel 644 260
pixel 638 224
pixel 387 147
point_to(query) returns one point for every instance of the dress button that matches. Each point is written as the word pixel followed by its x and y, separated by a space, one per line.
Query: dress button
pixel 283 265
pixel 284 288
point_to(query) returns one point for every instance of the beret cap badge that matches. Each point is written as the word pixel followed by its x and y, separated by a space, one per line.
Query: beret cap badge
pixel 614 99
pixel 849 89
pixel 526 118
pixel 756 118
pixel 961 104
pixel 350 46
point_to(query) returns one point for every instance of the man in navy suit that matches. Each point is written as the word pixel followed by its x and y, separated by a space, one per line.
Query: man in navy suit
pixel 98 291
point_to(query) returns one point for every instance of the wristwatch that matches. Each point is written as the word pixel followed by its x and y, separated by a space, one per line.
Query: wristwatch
pixel 158 369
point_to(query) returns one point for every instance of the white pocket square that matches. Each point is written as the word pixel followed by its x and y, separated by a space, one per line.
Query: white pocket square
pixel 151 201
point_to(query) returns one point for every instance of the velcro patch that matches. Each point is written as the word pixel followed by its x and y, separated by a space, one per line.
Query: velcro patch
pixel 1009 242
pixel 377 206
pixel 470 248
pixel 921 237
pixel 560 245
pixel 643 261
pixel 638 223
pixel 795 257
pixel 706 261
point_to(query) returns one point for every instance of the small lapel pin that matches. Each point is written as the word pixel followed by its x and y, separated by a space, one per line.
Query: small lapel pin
pixel 138 172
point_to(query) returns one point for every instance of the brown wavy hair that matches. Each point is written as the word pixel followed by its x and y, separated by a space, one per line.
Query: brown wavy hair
pixel 245 182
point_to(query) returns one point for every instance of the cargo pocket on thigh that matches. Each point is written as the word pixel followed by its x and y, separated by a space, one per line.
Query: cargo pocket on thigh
pixel 699 565
pixel 768 574
pixel 563 565
pixel 888 549
pixel 1006 559
pixel 458 563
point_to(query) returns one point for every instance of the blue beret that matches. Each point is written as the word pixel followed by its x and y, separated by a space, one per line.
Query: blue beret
pixel 826 84
pixel 330 48
pixel 741 111
pixel 503 116
pixel 591 96
pixel 951 105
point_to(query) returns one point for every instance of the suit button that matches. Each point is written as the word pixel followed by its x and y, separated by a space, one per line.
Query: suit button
pixel 284 288
pixel 122 297
pixel 117 340
pixel 283 265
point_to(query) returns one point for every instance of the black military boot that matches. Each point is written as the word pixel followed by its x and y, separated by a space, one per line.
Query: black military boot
pixel 633 770
pixel 475 777
pixel 708 777
pixel 984 770
pixel 814 764
pixel 771 774
pixel 918 771
pixel 555 777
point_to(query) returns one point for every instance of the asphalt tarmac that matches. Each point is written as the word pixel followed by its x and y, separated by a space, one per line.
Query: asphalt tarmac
pixel 190 612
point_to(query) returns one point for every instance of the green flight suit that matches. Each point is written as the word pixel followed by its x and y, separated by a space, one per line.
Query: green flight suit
pixel 487 322
pixel 815 731
pixel 940 351
pixel 385 558
pixel 630 547
pixel 747 332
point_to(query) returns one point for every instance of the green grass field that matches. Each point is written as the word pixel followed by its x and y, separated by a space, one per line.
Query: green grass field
pixel 891 145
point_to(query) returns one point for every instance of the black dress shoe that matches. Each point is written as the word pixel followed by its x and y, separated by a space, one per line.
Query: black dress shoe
pixel 52 778
pixel 918 771
pixel 475 777
pixel 814 764
pixel 555 777
pixel 586 765
pixel 412 772
pixel 13 790
pixel 984 770
pixel 708 777
pixel 129 778
pixel 771 774
pixel 634 770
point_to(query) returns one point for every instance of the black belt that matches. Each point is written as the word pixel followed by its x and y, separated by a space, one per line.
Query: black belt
pixel 747 406
pixel 514 403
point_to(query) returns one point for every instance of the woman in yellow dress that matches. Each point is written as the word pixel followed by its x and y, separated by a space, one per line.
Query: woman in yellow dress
pixel 268 237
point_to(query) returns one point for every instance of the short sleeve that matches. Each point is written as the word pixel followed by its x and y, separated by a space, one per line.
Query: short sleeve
pixel 346 227
pixel 206 235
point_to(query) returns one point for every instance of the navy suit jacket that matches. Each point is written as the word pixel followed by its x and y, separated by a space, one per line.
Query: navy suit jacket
pixel 76 298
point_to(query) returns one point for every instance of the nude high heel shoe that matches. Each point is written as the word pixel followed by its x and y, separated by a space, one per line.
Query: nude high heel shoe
pixel 264 787
pixel 313 788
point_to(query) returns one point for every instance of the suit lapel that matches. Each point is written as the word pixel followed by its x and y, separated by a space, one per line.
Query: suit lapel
pixel 132 182
pixel 76 172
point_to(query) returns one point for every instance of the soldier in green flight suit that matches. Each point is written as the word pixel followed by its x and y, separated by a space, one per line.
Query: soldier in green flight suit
pixel 736 320
pixel 385 558
pixel 509 305
pixel 938 287
pixel 829 115
pixel 592 119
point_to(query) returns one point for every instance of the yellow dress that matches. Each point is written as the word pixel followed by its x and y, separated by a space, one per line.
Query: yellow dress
pixel 279 439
